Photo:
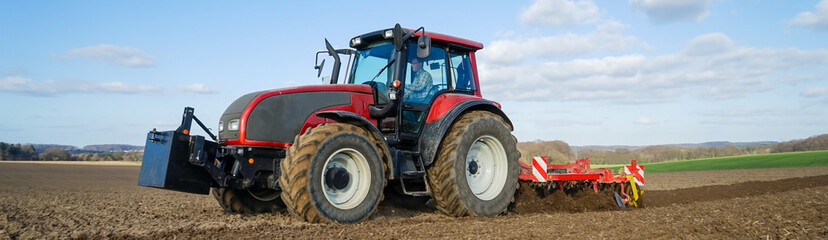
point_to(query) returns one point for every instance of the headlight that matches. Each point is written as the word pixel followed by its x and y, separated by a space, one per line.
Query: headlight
pixel 388 33
pixel 233 125
pixel 356 41
pixel 221 126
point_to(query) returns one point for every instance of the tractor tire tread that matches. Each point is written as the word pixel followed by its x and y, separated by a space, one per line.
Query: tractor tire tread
pixel 232 201
pixel 444 191
pixel 294 178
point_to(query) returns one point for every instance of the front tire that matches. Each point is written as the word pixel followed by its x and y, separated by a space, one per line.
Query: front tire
pixel 333 172
pixel 475 172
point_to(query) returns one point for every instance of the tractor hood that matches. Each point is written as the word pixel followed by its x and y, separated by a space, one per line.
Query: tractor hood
pixel 275 117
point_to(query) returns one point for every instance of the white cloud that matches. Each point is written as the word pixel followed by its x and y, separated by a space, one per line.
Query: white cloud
pixel 606 37
pixel 560 13
pixel 712 43
pixel 197 88
pixel 815 92
pixel 125 56
pixel 816 20
pixel 515 50
pixel 665 11
pixel 710 67
pixel 16 84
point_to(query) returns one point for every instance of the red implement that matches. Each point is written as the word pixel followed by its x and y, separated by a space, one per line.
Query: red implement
pixel 580 173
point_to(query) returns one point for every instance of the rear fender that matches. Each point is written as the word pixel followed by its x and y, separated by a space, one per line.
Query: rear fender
pixel 434 130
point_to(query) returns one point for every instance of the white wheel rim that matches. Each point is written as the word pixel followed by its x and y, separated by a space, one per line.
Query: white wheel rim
pixel 357 189
pixel 489 177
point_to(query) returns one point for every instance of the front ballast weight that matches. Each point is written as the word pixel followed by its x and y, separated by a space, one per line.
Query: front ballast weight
pixel 176 160
pixel 545 178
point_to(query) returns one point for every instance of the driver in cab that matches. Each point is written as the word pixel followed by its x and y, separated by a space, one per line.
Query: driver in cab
pixel 420 82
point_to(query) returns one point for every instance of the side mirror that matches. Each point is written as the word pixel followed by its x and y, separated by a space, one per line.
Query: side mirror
pixel 319 68
pixel 337 62
pixel 424 47
pixel 398 36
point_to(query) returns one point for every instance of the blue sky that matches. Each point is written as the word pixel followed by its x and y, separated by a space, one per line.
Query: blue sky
pixel 636 72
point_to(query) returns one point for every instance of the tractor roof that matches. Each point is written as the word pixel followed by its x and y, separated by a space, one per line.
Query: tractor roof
pixel 437 37
pixel 451 39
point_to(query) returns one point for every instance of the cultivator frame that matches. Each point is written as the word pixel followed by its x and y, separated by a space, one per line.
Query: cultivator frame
pixel 580 175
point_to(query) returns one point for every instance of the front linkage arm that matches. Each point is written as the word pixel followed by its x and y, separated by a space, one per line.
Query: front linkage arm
pixel 187 120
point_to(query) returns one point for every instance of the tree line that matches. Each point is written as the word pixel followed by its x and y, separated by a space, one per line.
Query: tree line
pixel 27 152
pixel 559 152
pixel 809 144
pixel 661 153
pixel 17 152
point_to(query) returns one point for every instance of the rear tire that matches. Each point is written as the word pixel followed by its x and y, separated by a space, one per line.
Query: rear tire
pixel 333 172
pixel 476 169
pixel 248 201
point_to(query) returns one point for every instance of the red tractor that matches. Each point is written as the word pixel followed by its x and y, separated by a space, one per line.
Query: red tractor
pixel 408 116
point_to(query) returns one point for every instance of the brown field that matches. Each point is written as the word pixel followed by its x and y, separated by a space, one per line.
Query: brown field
pixel 57 201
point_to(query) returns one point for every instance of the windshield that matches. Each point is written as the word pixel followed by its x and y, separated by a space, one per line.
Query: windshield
pixel 369 62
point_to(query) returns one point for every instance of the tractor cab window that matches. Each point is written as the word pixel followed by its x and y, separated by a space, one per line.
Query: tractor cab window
pixel 461 72
pixel 374 66
pixel 424 79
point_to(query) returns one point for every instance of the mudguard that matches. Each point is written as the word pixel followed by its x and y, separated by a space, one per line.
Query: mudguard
pixel 434 131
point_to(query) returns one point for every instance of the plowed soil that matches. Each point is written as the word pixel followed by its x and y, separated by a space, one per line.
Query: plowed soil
pixel 56 201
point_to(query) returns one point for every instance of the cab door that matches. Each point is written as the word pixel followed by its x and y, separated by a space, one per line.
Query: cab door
pixel 425 78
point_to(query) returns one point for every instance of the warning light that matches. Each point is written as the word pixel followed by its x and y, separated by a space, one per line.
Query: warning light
pixel 250 161
pixel 186 131
pixel 396 83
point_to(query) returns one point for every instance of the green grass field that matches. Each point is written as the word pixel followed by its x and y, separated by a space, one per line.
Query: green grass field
pixel 772 160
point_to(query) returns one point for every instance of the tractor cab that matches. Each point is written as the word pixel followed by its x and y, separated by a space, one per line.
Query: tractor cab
pixel 407 70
